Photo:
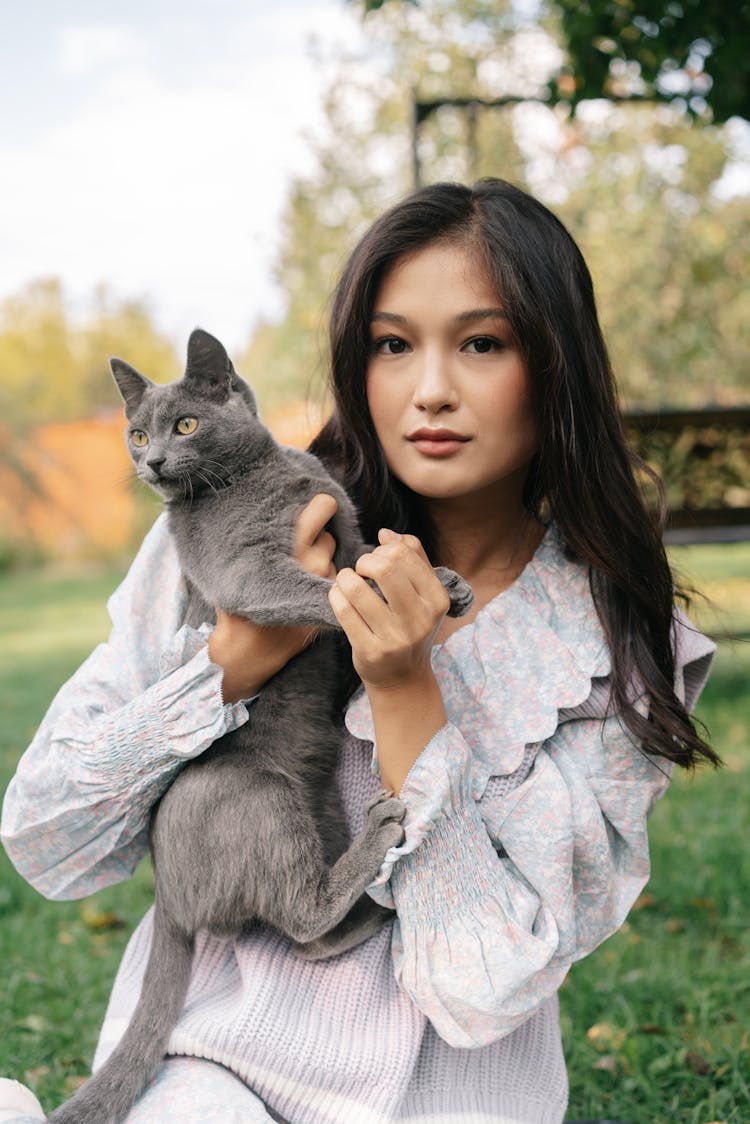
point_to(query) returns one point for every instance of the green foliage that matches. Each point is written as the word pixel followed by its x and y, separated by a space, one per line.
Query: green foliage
pixel 702 466
pixel 634 183
pixel 667 257
pixel 689 51
pixel 364 163
pixel 53 364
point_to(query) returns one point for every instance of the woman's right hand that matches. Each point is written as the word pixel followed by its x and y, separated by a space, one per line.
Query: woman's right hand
pixel 250 654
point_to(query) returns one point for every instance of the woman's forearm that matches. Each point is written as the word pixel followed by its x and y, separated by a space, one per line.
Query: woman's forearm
pixel 405 717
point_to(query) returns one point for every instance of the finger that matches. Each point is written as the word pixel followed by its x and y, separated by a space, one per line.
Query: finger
pixel 387 536
pixel 355 628
pixel 320 556
pixel 312 519
pixel 405 579
pixel 370 606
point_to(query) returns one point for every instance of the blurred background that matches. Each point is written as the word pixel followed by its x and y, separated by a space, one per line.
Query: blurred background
pixel 167 164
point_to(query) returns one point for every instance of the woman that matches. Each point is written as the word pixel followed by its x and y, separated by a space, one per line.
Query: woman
pixel 475 424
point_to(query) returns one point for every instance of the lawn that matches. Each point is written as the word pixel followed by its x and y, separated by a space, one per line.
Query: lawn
pixel 655 1022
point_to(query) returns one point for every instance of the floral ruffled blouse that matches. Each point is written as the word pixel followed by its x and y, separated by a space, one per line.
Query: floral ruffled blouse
pixel 525 840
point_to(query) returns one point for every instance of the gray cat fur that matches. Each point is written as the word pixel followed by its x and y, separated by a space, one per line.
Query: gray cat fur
pixel 252 830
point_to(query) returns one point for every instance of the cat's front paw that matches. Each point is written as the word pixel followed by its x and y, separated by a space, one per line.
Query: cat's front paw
pixel 459 591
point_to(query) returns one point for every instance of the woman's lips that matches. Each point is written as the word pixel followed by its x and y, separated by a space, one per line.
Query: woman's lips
pixel 437 443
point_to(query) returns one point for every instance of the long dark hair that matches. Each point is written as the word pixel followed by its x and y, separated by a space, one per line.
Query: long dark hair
pixel 583 474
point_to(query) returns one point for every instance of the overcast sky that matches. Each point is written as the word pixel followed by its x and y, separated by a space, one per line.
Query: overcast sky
pixel 149 144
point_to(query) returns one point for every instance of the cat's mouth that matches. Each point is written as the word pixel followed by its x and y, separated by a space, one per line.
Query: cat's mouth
pixel 154 476
pixel 162 482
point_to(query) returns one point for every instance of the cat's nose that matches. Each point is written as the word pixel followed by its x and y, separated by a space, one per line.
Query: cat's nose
pixel 155 463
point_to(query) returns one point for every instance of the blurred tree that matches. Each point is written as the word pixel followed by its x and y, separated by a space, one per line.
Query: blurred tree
pixel 668 256
pixel 364 164
pixel 60 485
pixel 53 365
pixel 692 52
pixel 637 184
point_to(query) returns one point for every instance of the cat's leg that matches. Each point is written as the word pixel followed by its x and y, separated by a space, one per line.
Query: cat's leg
pixel 364 920
pixel 282 594
pixel 305 898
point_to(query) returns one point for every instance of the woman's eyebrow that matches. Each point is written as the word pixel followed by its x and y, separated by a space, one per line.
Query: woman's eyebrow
pixel 468 317
pixel 389 317
pixel 481 314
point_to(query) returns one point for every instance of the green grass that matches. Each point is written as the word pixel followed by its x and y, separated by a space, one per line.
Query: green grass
pixel 655 1022
pixel 58 959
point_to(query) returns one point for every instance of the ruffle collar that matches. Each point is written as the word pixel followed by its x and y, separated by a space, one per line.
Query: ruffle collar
pixel 528 654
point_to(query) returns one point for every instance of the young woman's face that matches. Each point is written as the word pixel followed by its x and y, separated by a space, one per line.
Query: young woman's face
pixel 447 389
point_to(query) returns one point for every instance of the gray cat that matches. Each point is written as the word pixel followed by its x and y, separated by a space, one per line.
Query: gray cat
pixel 253 830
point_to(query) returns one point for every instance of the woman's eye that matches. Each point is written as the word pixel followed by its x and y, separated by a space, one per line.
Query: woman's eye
pixel 482 345
pixel 139 438
pixel 389 345
pixel 187 425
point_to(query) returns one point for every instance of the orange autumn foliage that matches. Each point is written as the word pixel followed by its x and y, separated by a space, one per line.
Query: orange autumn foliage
pixel 66 491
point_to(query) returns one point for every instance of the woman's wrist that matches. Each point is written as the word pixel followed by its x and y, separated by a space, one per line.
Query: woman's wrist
pixel 250 655
pixel 406 716
pixel 242 678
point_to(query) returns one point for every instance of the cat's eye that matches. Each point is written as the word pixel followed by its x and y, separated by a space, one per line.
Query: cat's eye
pixel 186 426
pixel 139 438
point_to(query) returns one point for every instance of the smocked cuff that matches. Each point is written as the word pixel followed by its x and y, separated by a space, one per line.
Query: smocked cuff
pixel 453 870
pixel 437 785
pixel 189 695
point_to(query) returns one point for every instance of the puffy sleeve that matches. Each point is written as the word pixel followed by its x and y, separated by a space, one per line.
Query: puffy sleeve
pixel 526 842
pixel 75 815
pixel 497 897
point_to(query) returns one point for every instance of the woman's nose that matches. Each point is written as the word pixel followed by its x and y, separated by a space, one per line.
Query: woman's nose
pixel 434 388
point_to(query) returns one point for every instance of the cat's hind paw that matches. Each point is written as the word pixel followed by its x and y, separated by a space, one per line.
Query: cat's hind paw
pixel 383 820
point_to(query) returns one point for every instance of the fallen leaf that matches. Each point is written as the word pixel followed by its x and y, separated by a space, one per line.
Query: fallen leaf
pixel 651 1028
pixel 661 1064
pixel 674 925
pixel 697 1063
pixel 644 901
pixel 31 1076
pixel 607 1062
pixel 633 976
pixel 606 1036
pixel 98 919
pixel 35 1023
pixel 72 1085
pixel 704 903
pixel 65 936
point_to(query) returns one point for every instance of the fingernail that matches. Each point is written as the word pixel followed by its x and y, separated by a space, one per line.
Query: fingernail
pixel 388 535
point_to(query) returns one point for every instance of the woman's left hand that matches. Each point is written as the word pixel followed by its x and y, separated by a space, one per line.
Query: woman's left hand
pixel 392 636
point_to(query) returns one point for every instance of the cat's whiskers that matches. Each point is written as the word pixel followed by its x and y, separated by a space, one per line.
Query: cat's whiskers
pixel 187 486
pixel 206 480
pixel 208 473
pixel 222 476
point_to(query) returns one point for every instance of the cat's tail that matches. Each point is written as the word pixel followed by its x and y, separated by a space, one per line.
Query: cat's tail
pixel 108 1096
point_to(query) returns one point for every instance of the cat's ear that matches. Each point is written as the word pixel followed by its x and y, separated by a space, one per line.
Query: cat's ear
pixel 131 384
pixel 209 367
